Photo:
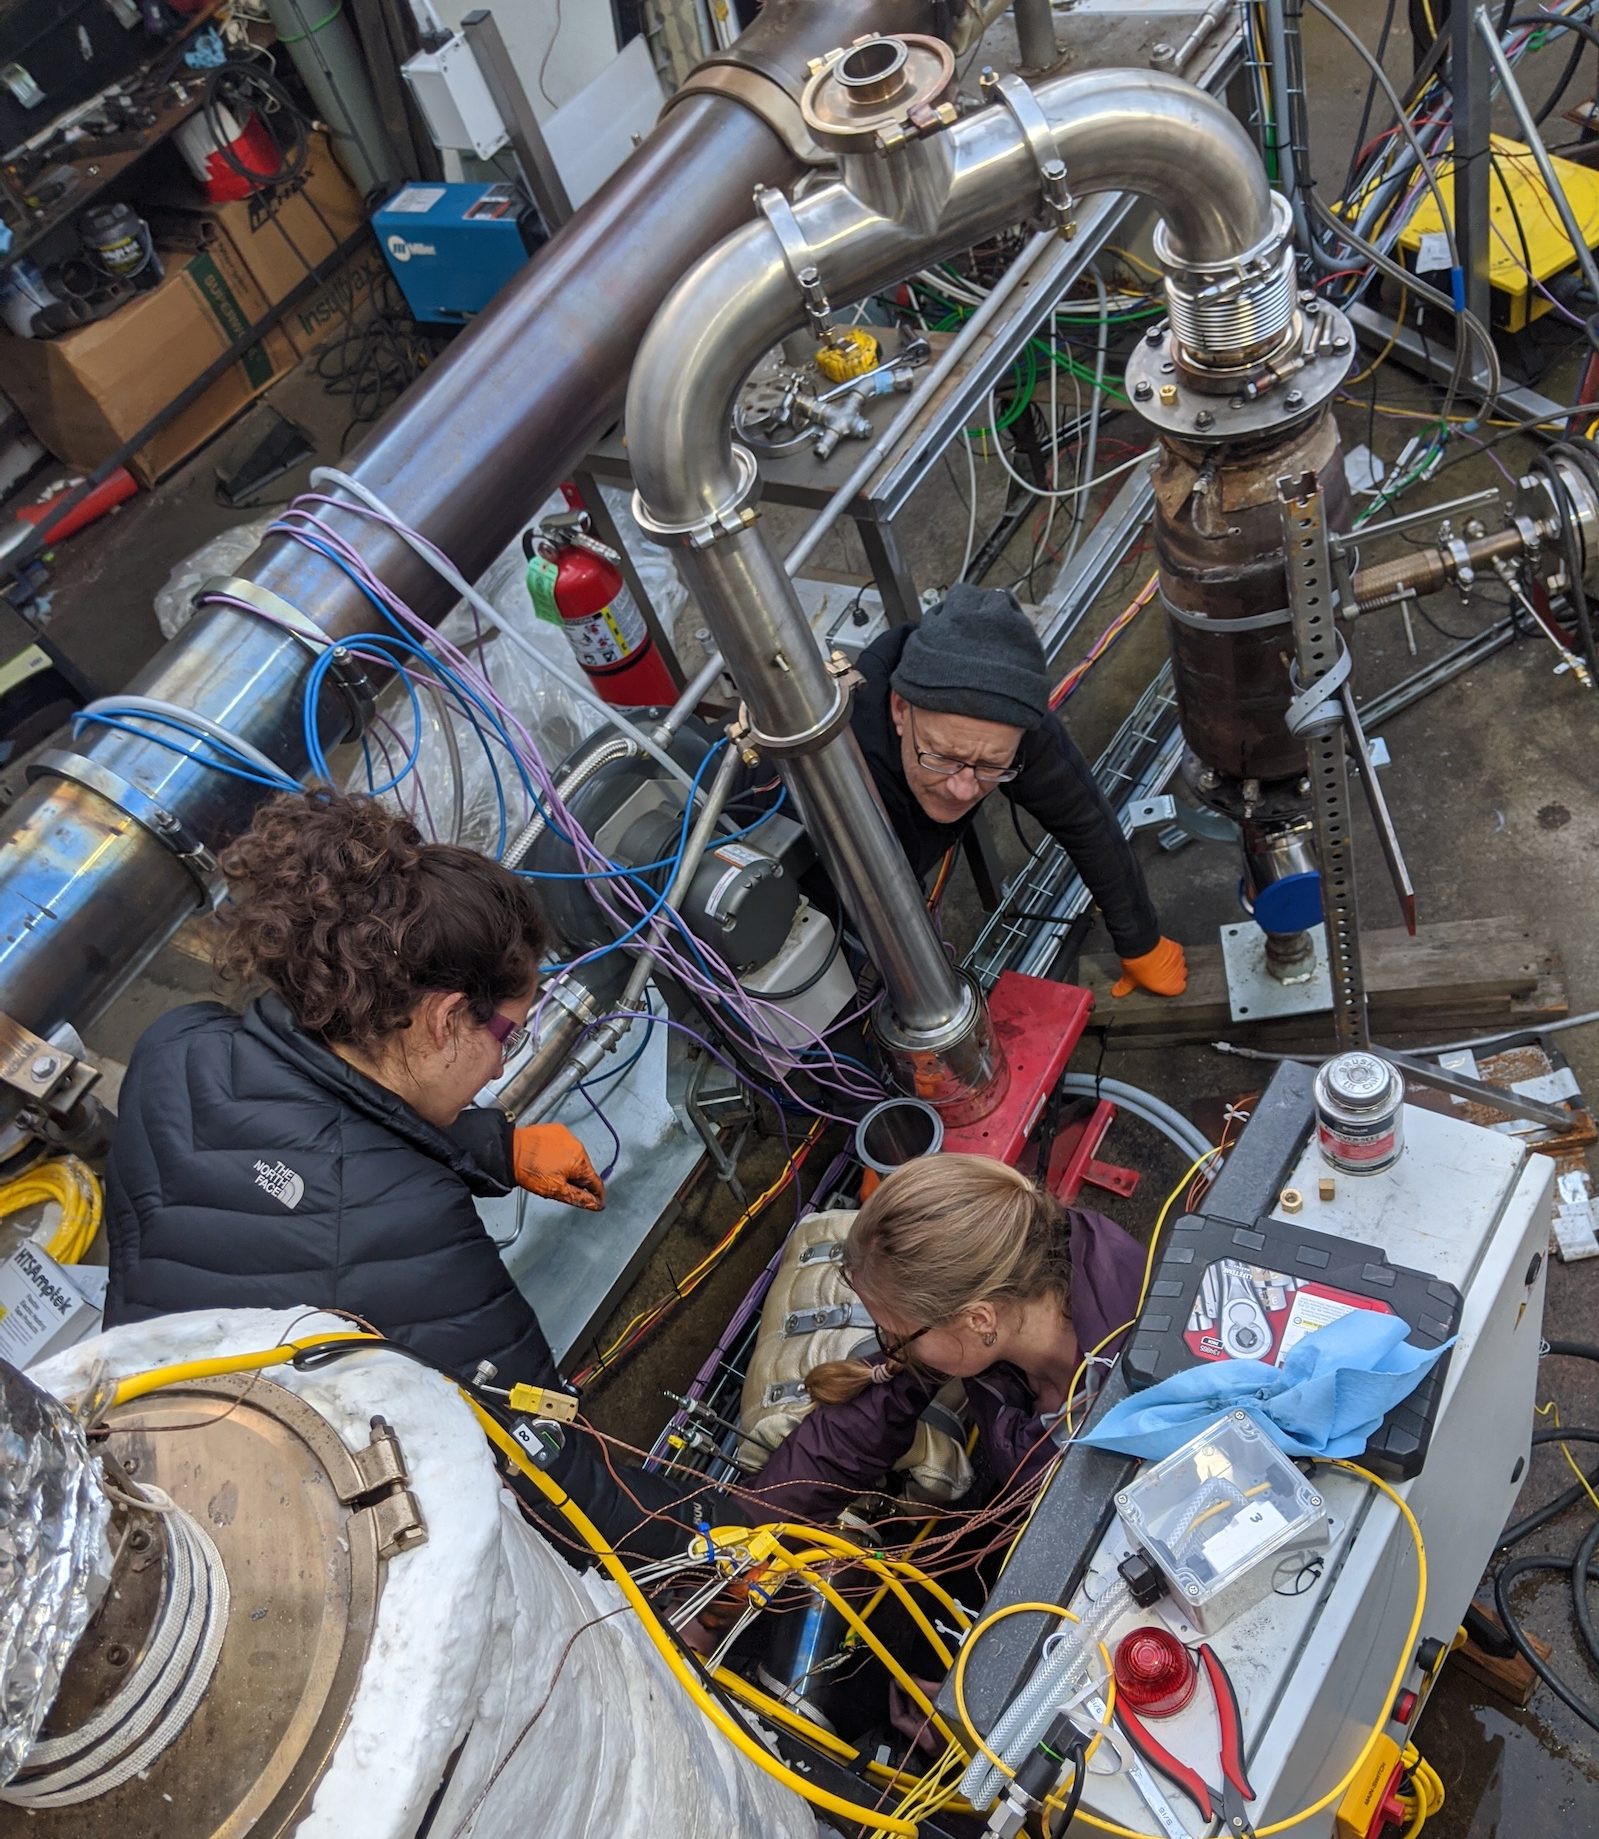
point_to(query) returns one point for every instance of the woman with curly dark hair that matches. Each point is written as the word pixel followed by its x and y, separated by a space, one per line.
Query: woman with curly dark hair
pixel 322 1147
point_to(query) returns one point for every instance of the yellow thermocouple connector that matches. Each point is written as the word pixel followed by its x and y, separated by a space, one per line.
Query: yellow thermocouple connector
pixel 541 1402
pixel 853 352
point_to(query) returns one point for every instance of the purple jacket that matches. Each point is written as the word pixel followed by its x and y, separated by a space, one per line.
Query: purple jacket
pixel 840 1451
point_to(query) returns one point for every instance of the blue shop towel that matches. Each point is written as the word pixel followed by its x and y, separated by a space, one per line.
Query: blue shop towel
pixel 1332 1391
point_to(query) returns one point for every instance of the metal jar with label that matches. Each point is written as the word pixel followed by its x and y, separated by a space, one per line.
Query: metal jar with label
pixel 1359 1113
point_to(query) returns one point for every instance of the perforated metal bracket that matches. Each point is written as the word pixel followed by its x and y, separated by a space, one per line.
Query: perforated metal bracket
pixel 1318 656
pixel 1015 96
pixel 133 801
pixel 752 743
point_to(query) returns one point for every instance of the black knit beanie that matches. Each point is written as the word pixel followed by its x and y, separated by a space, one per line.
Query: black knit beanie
pixel 976 654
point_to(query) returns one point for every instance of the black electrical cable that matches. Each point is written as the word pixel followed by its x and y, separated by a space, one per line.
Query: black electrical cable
pixel 1581 1569
pixel 251 89
pixel 1529 1523
pixel 1511 1573
pixel 1077 1756
pixel 816 976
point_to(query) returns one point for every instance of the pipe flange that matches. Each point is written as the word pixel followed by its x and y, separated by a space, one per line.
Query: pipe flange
pixel 752 743
pixel 1249 266
pixel 1015 96
pixel 875 95
pixel 736 513
pixel 960 1068
pixel 163 823
pixel 349 678
pixel 1183 402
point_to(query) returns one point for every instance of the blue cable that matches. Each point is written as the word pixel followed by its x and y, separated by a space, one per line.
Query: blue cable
pixel 284 784
pixel 472 705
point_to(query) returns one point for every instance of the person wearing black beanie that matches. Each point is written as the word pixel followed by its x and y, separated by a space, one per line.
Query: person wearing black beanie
pixel 957 707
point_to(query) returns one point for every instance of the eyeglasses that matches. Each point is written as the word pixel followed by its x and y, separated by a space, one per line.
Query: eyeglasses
pixel 512 1036
pixel 946 766
pixel 896 1350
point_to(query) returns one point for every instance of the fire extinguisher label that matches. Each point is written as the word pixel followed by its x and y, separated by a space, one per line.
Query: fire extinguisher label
pixel 608 637
pixel 541 573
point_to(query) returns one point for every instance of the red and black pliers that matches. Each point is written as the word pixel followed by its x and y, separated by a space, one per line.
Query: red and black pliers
pixel 1225 1803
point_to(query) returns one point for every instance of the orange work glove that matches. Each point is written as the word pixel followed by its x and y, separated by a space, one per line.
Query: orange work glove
pixel 547 1159
pixel 1163 972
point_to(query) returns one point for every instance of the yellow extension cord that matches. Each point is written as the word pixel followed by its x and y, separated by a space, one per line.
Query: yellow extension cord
pixel 69 1184
pixel 1424 1780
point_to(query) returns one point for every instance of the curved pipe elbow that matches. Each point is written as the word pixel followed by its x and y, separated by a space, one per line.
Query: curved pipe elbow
pixel 1138 131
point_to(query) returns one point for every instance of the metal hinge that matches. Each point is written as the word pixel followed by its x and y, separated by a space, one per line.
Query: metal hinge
pixel 382 1494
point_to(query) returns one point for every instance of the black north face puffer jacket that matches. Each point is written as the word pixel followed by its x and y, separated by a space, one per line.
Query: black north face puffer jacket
pixel 254 1169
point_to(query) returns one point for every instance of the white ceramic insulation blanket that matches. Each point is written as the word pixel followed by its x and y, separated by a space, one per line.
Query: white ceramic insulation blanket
pixel 470 1628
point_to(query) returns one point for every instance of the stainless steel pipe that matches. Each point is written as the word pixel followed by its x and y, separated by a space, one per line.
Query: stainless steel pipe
pixel 89 892
pixel 1114 130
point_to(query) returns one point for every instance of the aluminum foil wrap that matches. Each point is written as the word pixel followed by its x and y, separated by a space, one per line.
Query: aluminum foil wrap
pixel 54 1558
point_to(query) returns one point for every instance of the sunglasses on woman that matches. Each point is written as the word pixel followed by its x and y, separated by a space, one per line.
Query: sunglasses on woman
pixel 512 1036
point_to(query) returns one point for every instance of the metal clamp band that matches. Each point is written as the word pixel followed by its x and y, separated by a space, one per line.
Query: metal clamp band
pixel 1015 96
pixel 737 513
pixel 149 813
pixel 751 741
pixel 1221 628
pixel 797 259
pixel 349 678
pixel 1318 708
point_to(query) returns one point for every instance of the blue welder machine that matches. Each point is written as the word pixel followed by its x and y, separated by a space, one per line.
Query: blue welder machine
pixel 453 247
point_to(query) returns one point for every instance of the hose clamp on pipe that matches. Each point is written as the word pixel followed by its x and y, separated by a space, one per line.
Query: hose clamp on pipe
pixel 752 743
pixel 1013 94
pixel 351 681
pixel 164 824
pixel 737 512
pixel 798 260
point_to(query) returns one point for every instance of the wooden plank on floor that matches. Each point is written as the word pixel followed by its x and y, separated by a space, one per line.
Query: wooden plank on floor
pixel 1455 977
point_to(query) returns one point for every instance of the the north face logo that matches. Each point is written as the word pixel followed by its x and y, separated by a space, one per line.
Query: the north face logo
pixel 281 1182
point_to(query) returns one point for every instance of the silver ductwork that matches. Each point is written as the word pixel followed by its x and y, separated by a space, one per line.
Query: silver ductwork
pixel 918 184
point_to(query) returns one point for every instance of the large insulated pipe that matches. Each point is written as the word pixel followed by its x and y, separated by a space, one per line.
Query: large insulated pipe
pixel 105 855
pixel 1112 130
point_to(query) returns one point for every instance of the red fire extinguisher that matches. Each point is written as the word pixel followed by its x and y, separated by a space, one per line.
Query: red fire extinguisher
pixel 576 583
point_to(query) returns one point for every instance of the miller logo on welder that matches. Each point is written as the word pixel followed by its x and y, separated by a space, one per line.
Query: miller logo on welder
pixel 1227 1291
pixel 451 248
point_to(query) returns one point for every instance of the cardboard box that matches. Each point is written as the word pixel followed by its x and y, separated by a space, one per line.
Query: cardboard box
pixel 90 390
pixel 275 238
pixel 41 1308
pixel 323 315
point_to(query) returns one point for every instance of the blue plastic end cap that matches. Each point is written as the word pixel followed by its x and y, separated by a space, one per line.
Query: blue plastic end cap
pixel 1290 905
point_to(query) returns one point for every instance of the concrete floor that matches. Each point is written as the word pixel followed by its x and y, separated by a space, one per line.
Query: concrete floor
pixel 1491 783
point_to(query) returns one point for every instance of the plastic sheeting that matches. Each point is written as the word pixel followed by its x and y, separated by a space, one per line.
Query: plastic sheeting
pixel 471 1630
pixel 452 792
pixel 54 1560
